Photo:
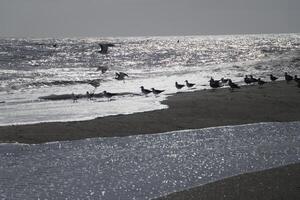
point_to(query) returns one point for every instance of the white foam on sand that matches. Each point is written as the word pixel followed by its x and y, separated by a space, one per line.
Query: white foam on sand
pixel 143 166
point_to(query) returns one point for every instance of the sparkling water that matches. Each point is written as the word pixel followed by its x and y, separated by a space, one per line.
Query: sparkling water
pixel 31 68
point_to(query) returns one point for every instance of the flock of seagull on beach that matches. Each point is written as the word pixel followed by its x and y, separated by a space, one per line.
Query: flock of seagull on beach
pixel 214 84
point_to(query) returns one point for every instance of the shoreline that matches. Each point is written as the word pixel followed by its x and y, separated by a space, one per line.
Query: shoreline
pixel 275 183
pixel 274 102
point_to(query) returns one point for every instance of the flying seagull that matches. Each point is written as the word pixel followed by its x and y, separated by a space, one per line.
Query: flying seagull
pixel 120 75
pixel 104 47
pixel 95 84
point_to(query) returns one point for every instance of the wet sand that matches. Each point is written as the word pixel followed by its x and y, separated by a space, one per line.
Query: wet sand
pixel 276 184
pixel 274 102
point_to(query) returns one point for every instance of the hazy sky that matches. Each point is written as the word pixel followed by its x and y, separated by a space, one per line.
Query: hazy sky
pixel 70 18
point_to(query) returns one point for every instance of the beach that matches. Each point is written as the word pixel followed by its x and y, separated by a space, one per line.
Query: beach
pixel 278 183
pixel 273 102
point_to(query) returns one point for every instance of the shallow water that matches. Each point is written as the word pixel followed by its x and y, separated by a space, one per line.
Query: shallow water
pixel 30 68
pixel 143 166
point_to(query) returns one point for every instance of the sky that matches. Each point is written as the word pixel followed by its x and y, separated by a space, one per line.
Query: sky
pixel 104 18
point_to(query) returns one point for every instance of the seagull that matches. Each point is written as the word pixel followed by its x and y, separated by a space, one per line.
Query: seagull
pixel 156 91
pixel 223 80
pixel 102 69
pixel 178 86
pixel 74 97
pixel 214 84
pixel 108 94
pixel 104 48
pixel 145 91
pixel 273 78
pixel 95 84
pixel 247 80
pixel 120 76
pixel 253 80
pixel 287 77
pixel 189 85
pixel 89 95
pixel 233 85
pixel 261 82
pixel 297 79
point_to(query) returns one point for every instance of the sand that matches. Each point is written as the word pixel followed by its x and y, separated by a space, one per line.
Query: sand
pixel 274 102
pixel 274 184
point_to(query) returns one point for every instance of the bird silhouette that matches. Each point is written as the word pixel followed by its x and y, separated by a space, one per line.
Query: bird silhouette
pixel 273 78
pixel 178 86
pixel 261 82
pixel 145 91
pixel 233 85
pixel 287 77
pixel 214 84
pixel 189 85
pixel 121 76
pixel 156 92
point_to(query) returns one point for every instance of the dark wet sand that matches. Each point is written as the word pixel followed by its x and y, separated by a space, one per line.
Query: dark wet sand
pixel 281 183
pixel 208 108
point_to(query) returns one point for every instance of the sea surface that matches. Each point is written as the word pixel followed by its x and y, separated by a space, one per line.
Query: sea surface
pixel 34 68
pixel 144 166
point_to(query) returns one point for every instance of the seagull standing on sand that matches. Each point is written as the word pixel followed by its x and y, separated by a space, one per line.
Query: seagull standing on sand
pixel 214 84
pixel 287 77
pixel 297 79
pixel 145 91
pixel 252 79
pixel 178 86
pixel 273 78
pixel 224 80
pixel 247 80
pixel 108 95
pixel 189 85
pixel 74 97
pixel 261 82
pixel 89 95
pixel 156 92
pixel 233 85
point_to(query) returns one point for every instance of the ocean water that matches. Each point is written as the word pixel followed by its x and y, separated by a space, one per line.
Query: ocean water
pixel 32 68
pixel 143 166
